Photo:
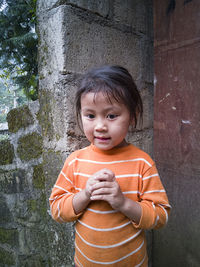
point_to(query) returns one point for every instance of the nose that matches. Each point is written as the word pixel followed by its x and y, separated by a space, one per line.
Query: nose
pixel 100 125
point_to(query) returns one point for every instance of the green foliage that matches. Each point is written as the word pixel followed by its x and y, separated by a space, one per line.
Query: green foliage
pixel 8 95
pixel 18 44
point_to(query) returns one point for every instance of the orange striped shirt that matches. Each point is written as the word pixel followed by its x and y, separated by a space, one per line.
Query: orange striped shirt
pixel 105 237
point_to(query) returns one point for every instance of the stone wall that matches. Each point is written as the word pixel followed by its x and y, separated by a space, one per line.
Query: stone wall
pixel 23 220
pixel 75 35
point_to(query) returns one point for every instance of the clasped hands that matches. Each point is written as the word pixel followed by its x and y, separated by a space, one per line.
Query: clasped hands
pixel 103 186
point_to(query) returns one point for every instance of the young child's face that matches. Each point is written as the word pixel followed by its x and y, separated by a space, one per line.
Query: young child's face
pixel 105 124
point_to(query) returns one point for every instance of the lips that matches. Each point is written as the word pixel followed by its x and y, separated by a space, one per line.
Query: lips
pixel 102 138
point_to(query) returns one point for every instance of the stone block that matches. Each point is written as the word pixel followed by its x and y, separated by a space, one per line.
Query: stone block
pixel 37 208
pixel 6 152
pixel 5 214
pixel 94 44
pixel 19 118
pixel 80 43
pixel 135 13
pixel 100 7
pixel 12 181
pixel 33 249
pixel 30 146
pixel 9 236
pixel 61 236
pixel 57 116
pixel 7 258
pixel 53 162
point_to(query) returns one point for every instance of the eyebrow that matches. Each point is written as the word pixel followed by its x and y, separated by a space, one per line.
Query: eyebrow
pixel 105 110
pixel 87 109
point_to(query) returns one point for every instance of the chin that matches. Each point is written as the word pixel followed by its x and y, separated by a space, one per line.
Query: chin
pixel 103 147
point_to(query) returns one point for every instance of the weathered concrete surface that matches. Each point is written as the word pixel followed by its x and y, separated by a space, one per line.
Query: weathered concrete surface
pixel 177 127
pixel 75 35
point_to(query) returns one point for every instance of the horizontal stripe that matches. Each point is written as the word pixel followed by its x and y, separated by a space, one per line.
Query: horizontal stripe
pixel 142 261
pixel 109 246
pixel 110 162
pixel 146 192
pixel 153 191
pixel 58 207
pixel 104 229
pixel 166 214
pixel 128 175
pixel 117 176
pixel 77 261
pixel 148 177
pixel 57 197
pixel 156 222
pixel 102 212
pixel 61 188
pixel 66 177
pixel 79 189
pixel 166 205
pixel 110 262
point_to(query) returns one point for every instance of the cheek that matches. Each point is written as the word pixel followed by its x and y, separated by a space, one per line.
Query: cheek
pixel 121 129
pixel 87 127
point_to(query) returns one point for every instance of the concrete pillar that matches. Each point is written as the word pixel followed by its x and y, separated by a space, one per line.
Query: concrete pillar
pixel 75 35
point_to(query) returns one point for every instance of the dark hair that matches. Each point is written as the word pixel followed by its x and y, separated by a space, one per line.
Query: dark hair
pixel 115 82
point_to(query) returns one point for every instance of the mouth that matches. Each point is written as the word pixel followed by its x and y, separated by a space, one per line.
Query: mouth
pixel 102 138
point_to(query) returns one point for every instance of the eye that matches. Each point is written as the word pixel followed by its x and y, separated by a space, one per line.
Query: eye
pixel 90 116
pixel 112 116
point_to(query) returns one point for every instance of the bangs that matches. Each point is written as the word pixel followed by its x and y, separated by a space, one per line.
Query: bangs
pixel 111 92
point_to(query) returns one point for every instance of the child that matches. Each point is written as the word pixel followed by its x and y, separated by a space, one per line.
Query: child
pixel 111 188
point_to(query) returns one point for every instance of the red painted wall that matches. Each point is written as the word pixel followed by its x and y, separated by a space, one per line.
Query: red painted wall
pixel 177 128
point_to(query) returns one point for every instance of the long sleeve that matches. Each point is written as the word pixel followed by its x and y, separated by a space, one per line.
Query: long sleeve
pixel 153 201
pixel 62 195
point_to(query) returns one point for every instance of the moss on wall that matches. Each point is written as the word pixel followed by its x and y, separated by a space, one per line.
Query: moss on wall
pixel 9 236
pixel 35 260
pixel 45 115
pixel 38 206
pixel 19 118
pixel 38 177
pixel 6 158
pixel 29 146
pixel 6 258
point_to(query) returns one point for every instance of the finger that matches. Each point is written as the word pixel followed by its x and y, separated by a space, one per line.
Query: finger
pixel 104 174
pixel 105 197
pixel 102 191
pixel 109 173
pixel 106 177
pixel 102 185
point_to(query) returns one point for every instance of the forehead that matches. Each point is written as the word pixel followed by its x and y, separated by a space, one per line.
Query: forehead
pixel 98 98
